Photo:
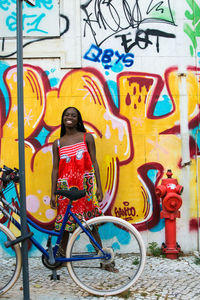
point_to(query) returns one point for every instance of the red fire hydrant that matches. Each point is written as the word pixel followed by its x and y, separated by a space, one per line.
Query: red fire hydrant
pixel 169 191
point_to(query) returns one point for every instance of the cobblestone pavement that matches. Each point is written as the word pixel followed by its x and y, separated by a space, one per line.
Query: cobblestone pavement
pixel 162 279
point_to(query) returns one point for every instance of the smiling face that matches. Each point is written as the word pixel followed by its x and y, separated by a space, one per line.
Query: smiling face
pixel 70 118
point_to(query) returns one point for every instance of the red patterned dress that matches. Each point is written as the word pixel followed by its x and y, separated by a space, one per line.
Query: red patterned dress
pixel 76 170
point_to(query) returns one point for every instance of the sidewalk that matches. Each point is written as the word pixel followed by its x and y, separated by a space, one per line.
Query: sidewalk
pixel 162 279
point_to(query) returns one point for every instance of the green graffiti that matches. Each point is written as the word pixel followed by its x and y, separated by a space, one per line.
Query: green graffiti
pixel 192 31
pixel 195 15
pixel 165 14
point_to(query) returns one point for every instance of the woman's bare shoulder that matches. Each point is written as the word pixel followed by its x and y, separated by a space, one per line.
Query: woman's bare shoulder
pixel 56 142
pixel 89 137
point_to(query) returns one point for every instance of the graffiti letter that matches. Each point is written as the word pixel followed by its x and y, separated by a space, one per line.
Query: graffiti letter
pixel 5 5
pixel 120 56
pixel 128 59
pixel 93 53
pixel 46 3
pixel 108 54
pixel 125 42
pixel 36 22
pixel 11 22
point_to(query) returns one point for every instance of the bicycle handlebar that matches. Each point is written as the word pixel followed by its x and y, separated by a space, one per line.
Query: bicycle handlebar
pixel 9 175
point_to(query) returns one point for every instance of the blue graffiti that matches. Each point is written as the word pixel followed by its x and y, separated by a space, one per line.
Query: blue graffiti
pixel 35 23
pixel 3 67
pixel 152 174
pixel 11 22
pixel 10 192
pixel 48 4
pixel 41 138
pixel 160 225
pixel 108 57
pixel 116 246
pixel 4 4
pixel 112 85
pixel 196 136
pixel 163 106
pixel 54 81
pixel 117 67
pixel 108 231
pixel 34 17
pixel 198 54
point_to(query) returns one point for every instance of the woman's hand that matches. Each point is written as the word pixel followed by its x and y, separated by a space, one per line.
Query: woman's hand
pixel 99 194
pixel 53 202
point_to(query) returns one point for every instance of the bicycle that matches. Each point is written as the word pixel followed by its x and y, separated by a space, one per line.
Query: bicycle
pixel 121 245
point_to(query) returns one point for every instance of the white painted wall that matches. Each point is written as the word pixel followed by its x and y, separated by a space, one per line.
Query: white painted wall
pixel 114 39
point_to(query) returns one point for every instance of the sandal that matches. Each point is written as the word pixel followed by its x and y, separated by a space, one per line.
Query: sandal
pixel 109 267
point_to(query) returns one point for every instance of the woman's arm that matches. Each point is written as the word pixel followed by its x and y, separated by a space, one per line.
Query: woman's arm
pixel 54 174
pixel 92 151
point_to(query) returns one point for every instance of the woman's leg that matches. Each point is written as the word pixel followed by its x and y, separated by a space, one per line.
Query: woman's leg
pixel 63 243
pixel 108 267
pixel 96 235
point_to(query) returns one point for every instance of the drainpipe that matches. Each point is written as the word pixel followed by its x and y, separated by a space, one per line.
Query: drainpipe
pixel 184 130
pixel 197 188
pixel 185 153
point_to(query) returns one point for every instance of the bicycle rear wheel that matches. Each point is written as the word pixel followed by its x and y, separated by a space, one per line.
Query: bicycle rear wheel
pixel 127 256
pixel 10 261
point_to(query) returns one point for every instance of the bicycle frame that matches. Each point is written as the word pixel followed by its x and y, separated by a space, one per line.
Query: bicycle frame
pixel 118 244
pixel 53 233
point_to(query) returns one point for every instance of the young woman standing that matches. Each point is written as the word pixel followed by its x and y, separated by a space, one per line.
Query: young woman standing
pixel 75 165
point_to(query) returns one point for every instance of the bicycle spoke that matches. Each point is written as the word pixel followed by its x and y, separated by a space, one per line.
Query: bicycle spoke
pixel 112 276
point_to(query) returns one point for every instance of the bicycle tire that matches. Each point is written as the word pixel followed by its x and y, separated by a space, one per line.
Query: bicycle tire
pixel 122 241
pixel 11 261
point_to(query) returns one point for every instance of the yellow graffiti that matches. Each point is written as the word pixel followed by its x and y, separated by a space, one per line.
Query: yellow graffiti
pixel 80 89
pixel 126 138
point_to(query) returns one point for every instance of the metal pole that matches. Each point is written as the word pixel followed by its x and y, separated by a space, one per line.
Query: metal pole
pixel 20 101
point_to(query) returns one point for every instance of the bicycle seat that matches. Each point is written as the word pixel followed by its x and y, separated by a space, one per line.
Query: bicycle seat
pixel 72 194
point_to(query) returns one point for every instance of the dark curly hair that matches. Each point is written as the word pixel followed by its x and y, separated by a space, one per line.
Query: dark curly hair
pixel 80 125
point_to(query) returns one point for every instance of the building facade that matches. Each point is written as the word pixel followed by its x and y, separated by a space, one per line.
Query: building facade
pixel 132 68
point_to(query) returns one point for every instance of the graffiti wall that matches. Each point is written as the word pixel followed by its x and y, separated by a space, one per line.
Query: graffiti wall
pixel 132 68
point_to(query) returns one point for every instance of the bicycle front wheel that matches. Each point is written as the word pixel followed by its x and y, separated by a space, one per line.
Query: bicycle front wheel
pixel 126 260
pixel 10 261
